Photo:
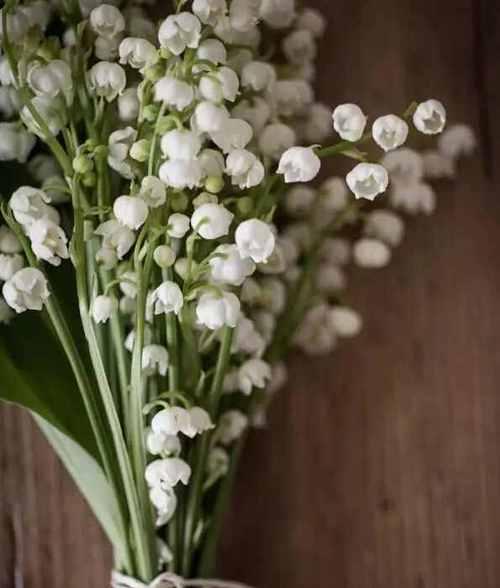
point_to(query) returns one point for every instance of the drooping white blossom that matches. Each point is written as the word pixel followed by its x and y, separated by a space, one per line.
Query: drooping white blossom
pixel 168 472
pixel 154 360
pixel 178 225
pixel 30 204
pixel 228 267
pixel 51 80
pixel 457 140
pixel 275 139
pixel 210 11
pixel 349 121
pixel 26 290
pixel 116 236
pixel 181 144
pixel 9 265
pixel 107 80
pixel 386 226
pixel 346 321
pixel 137 53
pixel 430 117
pixel 253 373
pixel 167 298
pixel 214 311
pixel 389 132
pixel 175 93
pixel 299 164
pixel 179 31
pixel 367 180
pixel 371 253
pixel 245 169
pixel 102 308
pixel 107 21
pixel 211 221
pixel 181 173
pixel 232 425
pixel 153 191
pixel 255 239
pixel 48 241
pixel 131 211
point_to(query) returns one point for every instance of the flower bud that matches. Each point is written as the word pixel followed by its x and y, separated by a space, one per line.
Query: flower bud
pixel 139 151
pixel 82 164
pixel 164 256
pixel 214 184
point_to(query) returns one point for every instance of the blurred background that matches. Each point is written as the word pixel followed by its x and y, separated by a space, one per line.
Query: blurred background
pixel 380 467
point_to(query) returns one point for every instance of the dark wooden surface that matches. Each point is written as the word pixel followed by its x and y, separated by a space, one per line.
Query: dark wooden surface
pixel 381 467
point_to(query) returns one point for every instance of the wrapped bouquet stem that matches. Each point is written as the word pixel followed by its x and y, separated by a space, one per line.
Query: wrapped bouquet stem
pixel 165 249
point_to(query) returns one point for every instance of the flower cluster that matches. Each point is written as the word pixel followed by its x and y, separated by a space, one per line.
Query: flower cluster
pixel 168 156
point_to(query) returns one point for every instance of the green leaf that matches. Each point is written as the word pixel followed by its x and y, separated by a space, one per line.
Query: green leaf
pixel 35 374
pixel 91 481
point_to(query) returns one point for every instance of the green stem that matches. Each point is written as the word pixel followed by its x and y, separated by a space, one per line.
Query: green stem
pixel 201 453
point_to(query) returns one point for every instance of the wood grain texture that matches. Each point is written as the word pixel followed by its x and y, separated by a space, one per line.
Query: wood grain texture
pixel 380 467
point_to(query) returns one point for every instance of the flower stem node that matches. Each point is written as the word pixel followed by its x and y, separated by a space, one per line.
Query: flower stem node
pixel 82 164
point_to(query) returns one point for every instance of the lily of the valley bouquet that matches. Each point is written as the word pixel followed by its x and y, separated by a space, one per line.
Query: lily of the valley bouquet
pixel 168 239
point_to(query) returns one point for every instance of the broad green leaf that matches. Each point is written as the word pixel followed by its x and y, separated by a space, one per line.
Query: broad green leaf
pixel 35 374
pixel 90 479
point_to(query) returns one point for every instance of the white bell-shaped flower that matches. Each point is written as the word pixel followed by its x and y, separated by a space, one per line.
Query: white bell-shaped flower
pixel 48 241
pixel 367 180
pixel 9 265
pixel 299 164
pixel 178 225
pixel 278 14
pixel 405 166
pixel 299 47
pixel 371 253
pixel 330 279
pixel 107 21
pixel 9 243
pixel 128 105
pixel 234 134
pixel 102 308
pixel 317 124
pixel 346 321
pixel 247 339
pixel 212 50
pixel 175 93
pixel 209 118
pixel 181 174
pixel 153 191
pixel 389 132
pixel 210 12
pixel 232 425
pixel 255 239
pixel 29 205
pixel 275 139
pixel 16 143
pixel 131 211
pixel 253 373
pixel 211 221
pixel 165 502
pixel 107 48
pixel 258 76
pixel 457 140
pixel 245 169
pixel 167 298
pixel 438 166
pixel 256 112
pixel 167 473
pixel 292 97
pixel 413 198
pixel 51 80
pixel 244 14
pixel 311 20
pixel 430 117
pixel 138 53
pixel 17 24
pixel 180 144
pixel 349 121
pixel 228 267
pixel 219 86
pixel 50 110
pixel 159 443
pixel 26 290
pixel 154 360
pixel 386 226
pixel 212 163
pixel 116 236
pixel 214 311
pixel 179 31
pixel 106 257
pixel 107 80
pixel 299 200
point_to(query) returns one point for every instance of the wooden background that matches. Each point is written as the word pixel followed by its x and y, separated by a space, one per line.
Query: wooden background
pixel 381 468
